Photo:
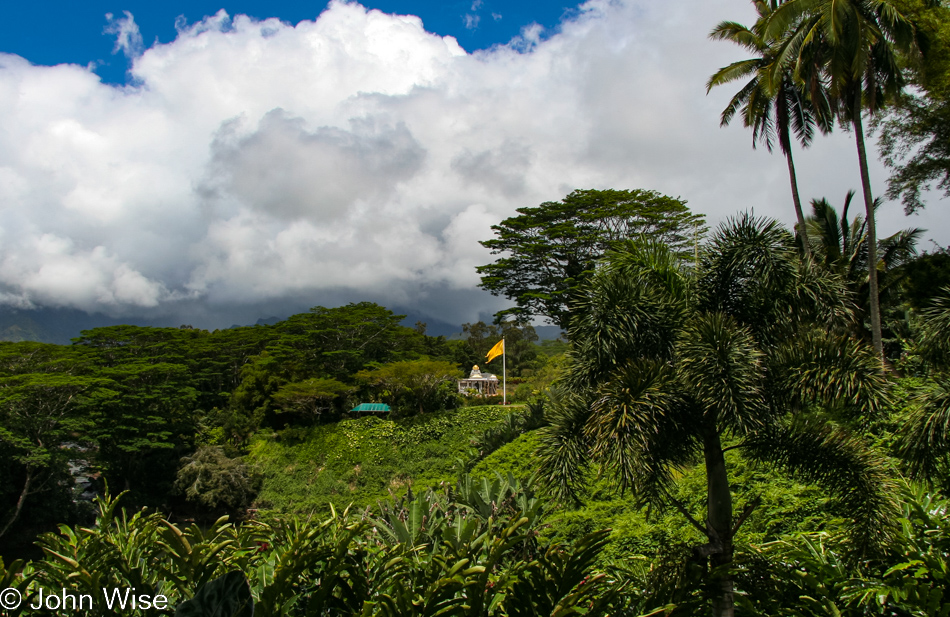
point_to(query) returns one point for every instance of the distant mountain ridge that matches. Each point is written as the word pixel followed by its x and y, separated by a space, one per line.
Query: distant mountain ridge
pixel 46 325
pixel 60 326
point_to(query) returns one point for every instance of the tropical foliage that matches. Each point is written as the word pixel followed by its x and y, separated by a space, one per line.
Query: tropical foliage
pixel 718 433
pixel 840 245
pixel 772 103
pixel 469 551
pixel 914 136
pixel 673 368
pixel 548 251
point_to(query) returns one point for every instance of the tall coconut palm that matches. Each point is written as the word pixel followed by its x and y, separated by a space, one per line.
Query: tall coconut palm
pixel 672 369
pixel 770 103
pixel 855 45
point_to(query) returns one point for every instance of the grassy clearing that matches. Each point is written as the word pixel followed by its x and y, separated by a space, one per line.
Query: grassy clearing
pixel 360 461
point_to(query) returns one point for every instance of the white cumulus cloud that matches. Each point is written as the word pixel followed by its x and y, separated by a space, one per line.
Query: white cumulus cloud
pixel 358 156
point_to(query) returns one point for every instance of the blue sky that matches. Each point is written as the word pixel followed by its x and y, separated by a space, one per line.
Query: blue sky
pixel 323 154
pixel 75 31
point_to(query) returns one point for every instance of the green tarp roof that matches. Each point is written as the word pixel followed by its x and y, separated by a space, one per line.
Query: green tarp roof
pixel 371 407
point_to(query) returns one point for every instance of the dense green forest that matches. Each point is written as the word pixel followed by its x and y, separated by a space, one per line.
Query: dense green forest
pixel 133 401
pixel 742 366
pixel 748 419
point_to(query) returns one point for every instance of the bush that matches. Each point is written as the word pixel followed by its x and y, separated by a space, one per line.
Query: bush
pixel 213 482
pixel 346 564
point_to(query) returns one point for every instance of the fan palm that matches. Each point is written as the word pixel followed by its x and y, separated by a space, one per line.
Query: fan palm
pixel 670 371
pixel 771 103
pixel 851 47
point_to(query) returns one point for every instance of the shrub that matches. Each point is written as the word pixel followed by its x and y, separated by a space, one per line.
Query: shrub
pixel 214 482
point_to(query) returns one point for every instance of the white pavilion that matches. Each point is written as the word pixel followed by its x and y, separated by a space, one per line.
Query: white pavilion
pixel 485 384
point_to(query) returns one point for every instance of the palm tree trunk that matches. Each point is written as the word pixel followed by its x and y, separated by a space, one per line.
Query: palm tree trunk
pixel 798 205
pixel 874 297
pixel 718 520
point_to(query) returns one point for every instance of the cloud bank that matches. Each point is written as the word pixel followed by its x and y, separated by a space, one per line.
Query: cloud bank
pixel 357 156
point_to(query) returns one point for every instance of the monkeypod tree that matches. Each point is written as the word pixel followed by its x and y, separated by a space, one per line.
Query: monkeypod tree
pixel 548 251
pixel 417 382
pixel 674 367
pixel 42 392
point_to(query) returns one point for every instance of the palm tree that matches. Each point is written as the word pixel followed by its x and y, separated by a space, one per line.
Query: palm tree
pixel 841 246
pixel 671 369
pixel 926 441
pixel 771 103
pixel 853 44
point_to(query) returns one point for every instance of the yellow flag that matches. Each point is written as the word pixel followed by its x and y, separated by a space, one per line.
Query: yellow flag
pixel 496 351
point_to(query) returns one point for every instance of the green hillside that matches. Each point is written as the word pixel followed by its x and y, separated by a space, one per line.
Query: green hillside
pixel 363 460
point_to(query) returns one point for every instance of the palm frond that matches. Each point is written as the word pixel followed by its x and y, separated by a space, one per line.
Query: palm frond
pixel 629 310
pixel 925 446
pixel 650 263
pixel 722 369
pixel 824 226
pixel 898 249
pixel 745 268
pixel 738 34
pixel 641 427
pixel 815 450
pixel 934 341
pixel 737 102
pixel 563 449
pixel 732 72
pixel 819 296
pixel 831 370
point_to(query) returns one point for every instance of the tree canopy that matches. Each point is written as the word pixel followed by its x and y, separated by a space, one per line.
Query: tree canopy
pixel 672 370
pixel 850 51
pixel 915 136
pixel 772 103
pixel 415 381
pixel 549 250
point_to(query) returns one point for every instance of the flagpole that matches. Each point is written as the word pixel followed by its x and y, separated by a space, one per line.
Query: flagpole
pixel 504 374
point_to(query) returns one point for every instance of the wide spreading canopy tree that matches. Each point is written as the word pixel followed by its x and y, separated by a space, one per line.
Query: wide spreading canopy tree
pixel 672 369
pixel 548 251
pixel 337 342
pixel 416 381
pixel 310 397
pixel 41 392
